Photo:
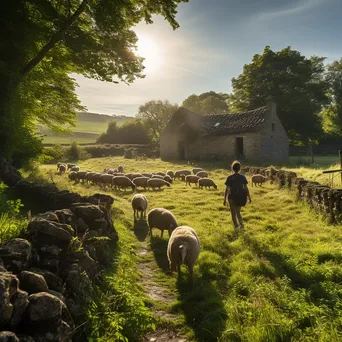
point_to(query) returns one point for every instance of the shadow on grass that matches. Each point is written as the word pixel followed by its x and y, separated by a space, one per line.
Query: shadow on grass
pixel 159 247
pixel 203 308
pixel 284 267
pixel 140 229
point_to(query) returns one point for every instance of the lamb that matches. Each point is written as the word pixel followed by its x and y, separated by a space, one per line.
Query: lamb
pixel 179 173
pixel 141 181
pixel 183 248
pixel 195 170
pixel 202 174
pixel 170 173
pixel 258 179
pixel 191 179
pixel 62 169
pixel 122 182
pixel 82 175
pixel 139 203
pixel 168 179
pixel 120 169
pixel 157 183
pixel 75 168
pixel 206 182
pixel 73 176
pixel 162 219
pixel 106 179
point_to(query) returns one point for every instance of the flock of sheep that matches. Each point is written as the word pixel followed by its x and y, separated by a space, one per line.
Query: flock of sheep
pixel 117 179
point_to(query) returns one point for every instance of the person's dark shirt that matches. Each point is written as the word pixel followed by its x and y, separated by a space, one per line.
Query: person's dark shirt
pixel 235 182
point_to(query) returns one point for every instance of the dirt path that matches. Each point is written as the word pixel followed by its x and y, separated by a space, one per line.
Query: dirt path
pixel 157 293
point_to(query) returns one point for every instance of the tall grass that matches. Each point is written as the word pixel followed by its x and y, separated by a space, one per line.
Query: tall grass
pixel 11 227
pixel 281 280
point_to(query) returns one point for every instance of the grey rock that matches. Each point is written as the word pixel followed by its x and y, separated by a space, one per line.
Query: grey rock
pixel 16 254
pixel 8 288
pixel 68 217
pixel 87 211
pixel 8 336
pixel 32 282
pixel 49 216
pixel 25 338
pixel 19 302
pixel 79 285
pixel 53 281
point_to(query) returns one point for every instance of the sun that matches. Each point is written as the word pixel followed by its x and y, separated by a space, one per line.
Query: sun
pixel 148 49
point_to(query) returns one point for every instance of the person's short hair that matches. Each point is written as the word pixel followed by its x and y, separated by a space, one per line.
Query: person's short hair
pixel 236 166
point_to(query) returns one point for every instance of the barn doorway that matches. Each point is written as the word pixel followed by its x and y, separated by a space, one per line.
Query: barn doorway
pixel 181 150
pixel 239 148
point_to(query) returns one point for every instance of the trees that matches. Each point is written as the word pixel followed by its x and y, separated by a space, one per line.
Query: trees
pixel 131 132
pixel 295 81
pixel 93 38
pixel 156 115
pixel 332 114
pixel 207 103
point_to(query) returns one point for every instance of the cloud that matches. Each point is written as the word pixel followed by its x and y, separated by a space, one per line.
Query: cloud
pixel 299 7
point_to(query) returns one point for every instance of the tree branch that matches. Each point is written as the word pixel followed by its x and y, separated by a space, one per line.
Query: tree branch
pixel 54 40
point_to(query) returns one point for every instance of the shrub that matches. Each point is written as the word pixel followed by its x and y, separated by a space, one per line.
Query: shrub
pixel 52 155
pixel 74 152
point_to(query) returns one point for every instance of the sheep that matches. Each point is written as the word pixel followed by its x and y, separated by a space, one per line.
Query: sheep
pixel 168 179
pixel 96 177
pixel 139 203
pixel 59 164
pixel 202 174
pixel 141 181
pixel 75 168
pixel 135 175
pixel 89 176
pixel 62 169
pixel 160 174
pixel 122 182
pixel 120 169
pixel 191 179
pixel 157 176
pixel 195 170
pixel 183 248
pixel 111 171
pixel 258 179
pixel 206 182
pixel 157 183
pixel 105 179
pixel 170 173
pixel 82 175
pixel 73 176
pixel 71 165
pixel 162 219
pixel 149 175
pixel 179 173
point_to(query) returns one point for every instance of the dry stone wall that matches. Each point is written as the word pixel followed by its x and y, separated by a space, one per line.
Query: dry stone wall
pixel 322 198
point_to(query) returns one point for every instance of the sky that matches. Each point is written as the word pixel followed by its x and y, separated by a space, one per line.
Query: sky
pixel 215 39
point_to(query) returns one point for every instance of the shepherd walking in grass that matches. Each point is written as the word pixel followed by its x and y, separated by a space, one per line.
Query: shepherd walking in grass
pixel 237 192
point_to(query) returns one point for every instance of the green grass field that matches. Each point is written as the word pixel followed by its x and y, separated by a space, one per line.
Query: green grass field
pixel 280 280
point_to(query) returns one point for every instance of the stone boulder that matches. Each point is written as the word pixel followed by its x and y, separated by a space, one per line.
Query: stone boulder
pixel 68 217
pixel 19 301
pixel 8 288
pixel 32 282
pixel 50 233
pixel 8 336
pixel 53 281
pixel 16 254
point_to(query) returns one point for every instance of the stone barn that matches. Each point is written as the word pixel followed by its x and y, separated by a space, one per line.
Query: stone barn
pixel 255 136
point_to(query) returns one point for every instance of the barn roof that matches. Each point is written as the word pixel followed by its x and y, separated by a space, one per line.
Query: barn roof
pixel 222 124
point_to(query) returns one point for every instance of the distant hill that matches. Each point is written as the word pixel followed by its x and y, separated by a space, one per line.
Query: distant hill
pixel 88 127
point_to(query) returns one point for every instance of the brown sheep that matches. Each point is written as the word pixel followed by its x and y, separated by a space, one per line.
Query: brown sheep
pixel 202 174
pixel 168 179
pixel 62 169
pixel 178 174
pixel 122 182
pixel 183 248
pixel 58 165
pixel 139 204
pixel 258 180
pixel 207 183
pixel 73 175
pixel 157 183
pixel 121 169
pixel 191 179
pixel 170 173
pixel 195 170
pixel 141 181
pixel 162 219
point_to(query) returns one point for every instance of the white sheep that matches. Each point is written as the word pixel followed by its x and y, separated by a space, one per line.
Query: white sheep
pixel 202 174
pixel 183 248
pixel 195 170
pixel 258 179
pixel 170 173
pixel 75 168
pixel 139 204
pixel 62 169
pixel 162 219
pixel 191 179
pixel 157 183
pixel 168 179
pixel 82 175
pixel 178 174
pixel 122 182
pixel 141 181
pixel 106 179
pixel 207 183
pixel 72 175
pixel 157 176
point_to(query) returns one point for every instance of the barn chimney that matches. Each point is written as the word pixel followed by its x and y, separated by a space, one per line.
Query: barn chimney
pixel 271 106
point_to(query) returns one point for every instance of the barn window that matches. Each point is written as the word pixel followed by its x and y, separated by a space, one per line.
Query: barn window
pixel 273 127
